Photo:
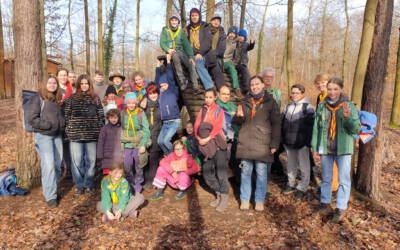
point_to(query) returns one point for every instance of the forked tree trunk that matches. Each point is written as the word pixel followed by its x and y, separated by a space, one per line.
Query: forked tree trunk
pixel 289 39
pixel 261 40
pixel 137 35
pixel 2 79
pixel 87 35
pixel 27 74
pixel 395 116
pixel 100 57
pixel 371 154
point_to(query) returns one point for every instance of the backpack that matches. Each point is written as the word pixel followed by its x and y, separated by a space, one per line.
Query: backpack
pixel 8 184
pixel 26 106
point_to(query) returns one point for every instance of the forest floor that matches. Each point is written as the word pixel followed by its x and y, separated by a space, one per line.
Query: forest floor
pixel 286 223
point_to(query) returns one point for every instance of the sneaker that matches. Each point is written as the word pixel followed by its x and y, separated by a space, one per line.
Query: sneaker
pixel 105 219
pixel 52 203
pixel 259 206
pixel 337 215
pixel 215 202
pixel 158 196
pixel 180 195
pixel 244 205
pixel 300 194
pixel 223 203
pixel 79 191
pixel 289 190
pixel 133 214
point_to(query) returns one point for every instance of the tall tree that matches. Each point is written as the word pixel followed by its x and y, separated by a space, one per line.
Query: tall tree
pixel 210 9
pixel 346 38
pixel 395 115
pixel 365 48
pixel 108 45
pixel 230 12
pixel 27 74
pixel 137 35
pixel 182 12
pixel 371 154
pixel 71 39
pixel 306 61
pixel 2 79
pixel 87 36
pixel 289 43
pixel 43 35
pixel 168 11
pixel 323 37
pixel 242 13
pixel 261 39
pixel 100 57
pixel 123 43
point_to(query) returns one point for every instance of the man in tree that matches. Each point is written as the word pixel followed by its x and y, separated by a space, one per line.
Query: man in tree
pixel 218 45
pixel 200 39
pixel 173 41
pixel 268 75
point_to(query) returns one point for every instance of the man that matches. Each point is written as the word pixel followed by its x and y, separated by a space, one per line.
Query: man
pixel 174 42
pixel 99 86
pixel 268 75
pixel 218 45
pixel 200 39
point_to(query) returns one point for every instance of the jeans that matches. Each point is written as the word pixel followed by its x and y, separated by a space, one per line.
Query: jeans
pixel 344 167
pixel 261 181
pixel 83 157
pixel 168 130
pixel 215 172
pixel 50 149
pixel 203 74
pixel 180 59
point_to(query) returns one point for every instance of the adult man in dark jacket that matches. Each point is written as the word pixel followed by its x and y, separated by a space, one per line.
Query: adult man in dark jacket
pixel 218 46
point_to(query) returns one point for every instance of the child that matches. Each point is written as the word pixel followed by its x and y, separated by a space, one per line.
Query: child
pixel 191 143
pixel 126 88
pixel 212 144
pixel 117 201
pixel 231 43
pixel 116 79
pixel 320 83
pixel 109 101
pixel 241 59
pixel 175 169
pixel 139 85
pixel 336 123
pixel 99 86
pixel 109 143
pixel 135 136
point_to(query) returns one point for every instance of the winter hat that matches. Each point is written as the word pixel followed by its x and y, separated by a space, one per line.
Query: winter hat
pixel 130 95
pixel 233 29
pixel 216 17
pixel 243 33
pixel 195 10
pixel 163 79
pixel 126 83
pixel 111 91
pixel 175 17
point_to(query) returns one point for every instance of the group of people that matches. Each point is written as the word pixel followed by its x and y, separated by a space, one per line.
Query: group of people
pixel 130 128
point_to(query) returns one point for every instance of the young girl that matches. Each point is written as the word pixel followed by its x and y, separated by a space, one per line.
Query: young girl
pixel 109 144
pixel 191 142
pixel 65 86
pixel 135 136
pixel 117 201
pixel 175 169
pixel 139 86
pixel 84 119
pixel 47 120
pixel 335 125
pixel 126 88
pixel 152 109
pixel 212 144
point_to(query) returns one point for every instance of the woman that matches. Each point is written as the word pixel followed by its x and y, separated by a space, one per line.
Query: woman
pixel 152 109
pixel 296 138
pixel 47 120
pixel 84 118
pixel 258 140
pixel 66 89
pixel 336 123
pixel 212 144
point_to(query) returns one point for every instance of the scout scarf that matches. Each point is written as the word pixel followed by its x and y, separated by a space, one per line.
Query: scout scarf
pixel 174 34
pixel 152 106
pixel 113 189
pixel 215 33
pixel 254 105
pixel 131 122
pixel 332 129
pixel 322 96
pixel 195 36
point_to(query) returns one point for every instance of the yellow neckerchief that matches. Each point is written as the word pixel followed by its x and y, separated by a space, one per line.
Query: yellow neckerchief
pixel 113 188
pixel 322 96
pixel 119 89
pixel 332 129
pixel 174 35
pixel 151 115
pixel 194 36
pixel 131 122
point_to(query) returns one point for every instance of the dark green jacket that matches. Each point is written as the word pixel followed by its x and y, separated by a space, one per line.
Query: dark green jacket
pixel 122 191
pixel 181 42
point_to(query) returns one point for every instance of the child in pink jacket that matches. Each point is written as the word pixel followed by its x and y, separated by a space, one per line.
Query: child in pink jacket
pixel 175 169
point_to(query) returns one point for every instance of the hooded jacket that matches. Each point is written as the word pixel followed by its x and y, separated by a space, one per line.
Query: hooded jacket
pixel 205 38
pixel 241 52
pixel 221 44
pixel 168 99
pixel 109 145
pixel 181 42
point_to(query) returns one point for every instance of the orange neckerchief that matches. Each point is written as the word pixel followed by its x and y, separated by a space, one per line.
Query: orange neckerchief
pixel 332 129
pixel 254 105
pixel 322 96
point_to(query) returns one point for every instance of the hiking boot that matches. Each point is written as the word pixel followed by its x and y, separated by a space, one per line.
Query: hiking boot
pixel 259 206
pixel 338 215
pixel 300 194
pixel 289 190
pixel 223 203
pixel 91 190
pixel 180 195
pixel 215 203
pixel 158 196
pixel 238 93
pixel 52 203
pixel 79 191
pixel 148 186
pixel 244 205
pixel 324 209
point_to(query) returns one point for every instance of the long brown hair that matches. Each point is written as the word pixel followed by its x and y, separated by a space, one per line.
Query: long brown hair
pixel 47 95
pixel 78 86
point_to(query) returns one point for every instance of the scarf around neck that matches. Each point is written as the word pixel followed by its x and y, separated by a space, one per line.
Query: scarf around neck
pixel 195 36
pixel 256 100
pixel 334 107
pixel 131 122
pixel 215 33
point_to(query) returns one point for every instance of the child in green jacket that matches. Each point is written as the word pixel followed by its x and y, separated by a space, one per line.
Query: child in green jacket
pixel 117 201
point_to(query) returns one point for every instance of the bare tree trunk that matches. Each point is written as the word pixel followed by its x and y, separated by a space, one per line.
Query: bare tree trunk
pixel 306 37
pixel 43 34
pixel 2 77
pixel 371 154
pixel 137 35
pixel 395 115
pixel 27 74
pixel 183 12
pixel 71 39
pixel 210 10
pixel 365 48
pixel 168 11
pixel 283 64
pixel 87 35
pixel 261 39
pixel 100 51
pixel 123 45
pixel 345 43
pixel 230 10
pixel 322 44
pixel 289 39
pixel 242 14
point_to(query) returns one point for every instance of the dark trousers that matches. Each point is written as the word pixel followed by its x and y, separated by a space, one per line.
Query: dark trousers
pixel 215 172
pixel 244 77
pixel 217 75
pixel 151 168
pixel 181 62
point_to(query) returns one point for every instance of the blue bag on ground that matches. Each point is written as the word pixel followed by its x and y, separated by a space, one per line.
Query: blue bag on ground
pixel 8 184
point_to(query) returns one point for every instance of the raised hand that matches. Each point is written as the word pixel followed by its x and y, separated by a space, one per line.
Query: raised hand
pixel 240 111
pixel 346 110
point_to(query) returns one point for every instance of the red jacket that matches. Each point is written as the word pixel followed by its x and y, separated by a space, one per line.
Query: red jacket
pixel 211 118
pixel 192 166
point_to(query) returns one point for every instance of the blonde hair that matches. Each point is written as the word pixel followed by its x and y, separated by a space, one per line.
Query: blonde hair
pixel 321 77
